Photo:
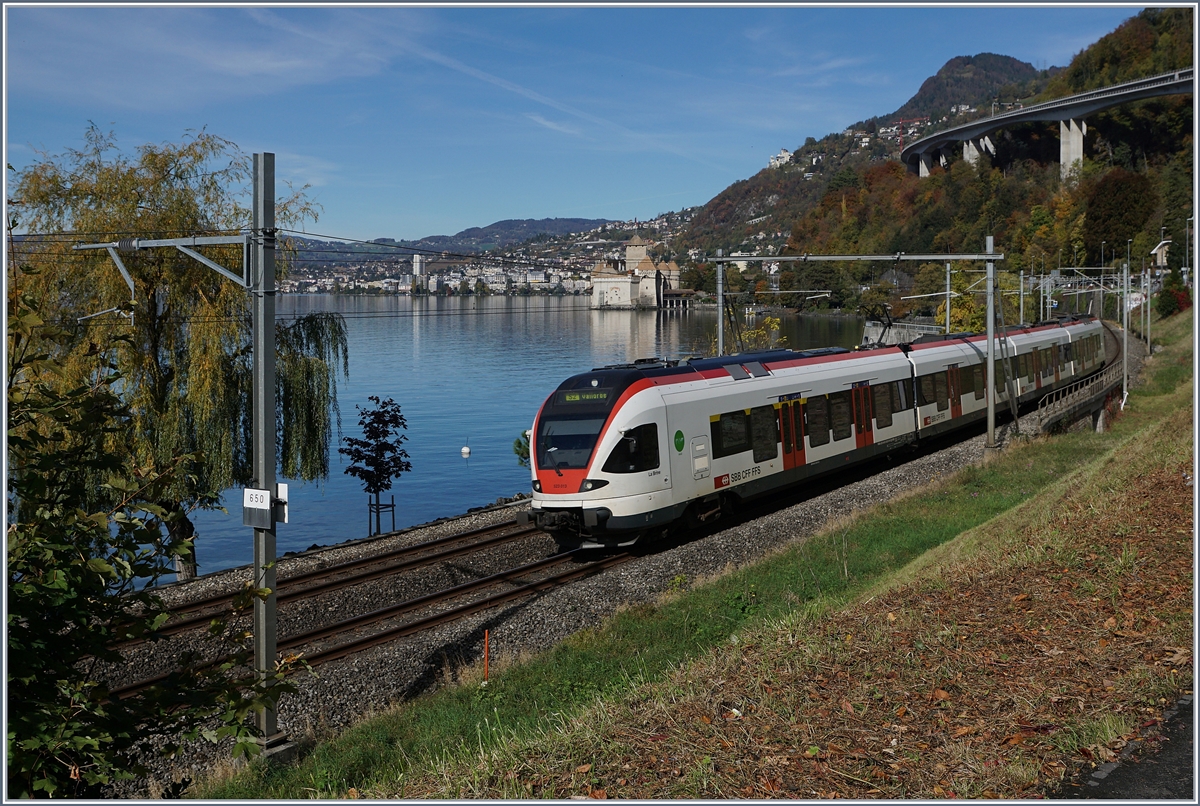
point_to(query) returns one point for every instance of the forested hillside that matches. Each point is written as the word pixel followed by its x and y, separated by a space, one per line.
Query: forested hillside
pixel 968 78
pixel 1135 184
pixel 755 214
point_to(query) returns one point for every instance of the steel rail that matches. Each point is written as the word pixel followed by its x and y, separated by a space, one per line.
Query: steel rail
pixel 395 563
pixel 316 573
pixel 470 608
pixel 400 608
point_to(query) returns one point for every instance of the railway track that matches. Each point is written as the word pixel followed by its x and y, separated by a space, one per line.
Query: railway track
pixel 381 626
pixel 320 581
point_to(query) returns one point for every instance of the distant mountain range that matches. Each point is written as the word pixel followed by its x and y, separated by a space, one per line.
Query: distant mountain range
pixel 469 241
pixel 502 233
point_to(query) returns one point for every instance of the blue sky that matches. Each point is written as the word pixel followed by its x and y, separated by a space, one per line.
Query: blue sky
pixel 412 121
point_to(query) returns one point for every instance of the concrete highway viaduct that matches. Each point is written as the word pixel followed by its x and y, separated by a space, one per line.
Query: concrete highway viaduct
pixel 975 137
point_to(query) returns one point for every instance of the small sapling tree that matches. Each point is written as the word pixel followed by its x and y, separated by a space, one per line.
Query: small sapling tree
pixel 377 458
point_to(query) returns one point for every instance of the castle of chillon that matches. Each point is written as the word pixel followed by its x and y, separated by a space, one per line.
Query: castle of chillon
pixel 637 281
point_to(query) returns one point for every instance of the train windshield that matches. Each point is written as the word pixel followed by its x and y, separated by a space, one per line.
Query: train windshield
pixel 567 442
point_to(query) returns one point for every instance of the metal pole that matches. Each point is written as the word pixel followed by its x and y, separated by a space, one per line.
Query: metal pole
pixel 720 305
pixel 262 291
pixel 1125 337
pixel 947 297
pixel 1187 250
pixel 1022 276
pixel 1149 310
pixel 1145 306
pixel 991 350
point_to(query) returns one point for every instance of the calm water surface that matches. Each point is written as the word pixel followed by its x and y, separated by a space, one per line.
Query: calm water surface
pixel 467 372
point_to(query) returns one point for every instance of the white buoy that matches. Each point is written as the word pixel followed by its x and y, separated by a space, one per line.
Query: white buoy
pixel 466 452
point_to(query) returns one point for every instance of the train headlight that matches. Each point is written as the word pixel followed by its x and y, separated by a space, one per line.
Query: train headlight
pixel 537 486
pixel 591 484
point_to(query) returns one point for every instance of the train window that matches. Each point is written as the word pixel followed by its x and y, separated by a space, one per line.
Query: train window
pixel 816 412
pixel 785 419
pixel 980 383
pixel 839 414
pixel 899 395
pixel 730 434
pixel 567 441
pixel 883 405
pixel 940 392
pixel 637 450
pixel 764 433
pixel 967 380
pixel 1028 373
pixel 925 394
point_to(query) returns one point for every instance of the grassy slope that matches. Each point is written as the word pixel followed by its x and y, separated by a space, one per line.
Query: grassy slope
pixel 540 716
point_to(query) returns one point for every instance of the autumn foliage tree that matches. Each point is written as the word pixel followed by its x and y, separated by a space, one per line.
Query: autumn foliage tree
pixel 183 344
pixel 84 549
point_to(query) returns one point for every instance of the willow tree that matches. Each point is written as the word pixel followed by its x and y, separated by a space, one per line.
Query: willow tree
pixel 185 338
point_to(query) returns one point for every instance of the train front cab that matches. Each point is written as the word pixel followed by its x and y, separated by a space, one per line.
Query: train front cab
pixel 597 455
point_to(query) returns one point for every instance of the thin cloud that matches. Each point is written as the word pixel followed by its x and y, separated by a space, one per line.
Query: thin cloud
pixel 646 140
pixel 549 124
pixel 150 59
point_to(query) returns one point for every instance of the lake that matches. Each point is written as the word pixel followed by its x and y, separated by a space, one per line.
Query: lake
pixel 466 371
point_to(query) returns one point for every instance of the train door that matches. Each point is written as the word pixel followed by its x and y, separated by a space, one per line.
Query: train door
pixel 1035 356
pixel 954 379
pixel 786 435
pixel 1058 363
pixel 861 396
pixel 791 433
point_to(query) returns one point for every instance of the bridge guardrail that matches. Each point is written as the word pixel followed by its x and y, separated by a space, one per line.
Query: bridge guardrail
pixel 1061 400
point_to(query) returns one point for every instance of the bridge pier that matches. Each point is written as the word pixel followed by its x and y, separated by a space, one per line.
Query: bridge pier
pixel 972 148
pixel 1070 145
pixel 925 164
pixel 927 159
pixel 1098 421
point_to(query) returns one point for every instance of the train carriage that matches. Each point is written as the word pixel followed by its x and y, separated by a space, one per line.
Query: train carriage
pixel 622 451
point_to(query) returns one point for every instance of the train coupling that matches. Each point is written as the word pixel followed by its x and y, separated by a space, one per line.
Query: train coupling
pixel 564 520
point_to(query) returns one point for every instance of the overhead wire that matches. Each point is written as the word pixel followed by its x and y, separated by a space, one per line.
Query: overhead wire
pixel 302 249
pixel 42 256
pixel 351 315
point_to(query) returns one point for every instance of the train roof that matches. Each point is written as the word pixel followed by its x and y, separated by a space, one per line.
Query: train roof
pixel 1062 321
pixel 599 389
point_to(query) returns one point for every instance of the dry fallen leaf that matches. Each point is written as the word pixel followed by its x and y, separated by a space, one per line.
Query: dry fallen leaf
pixel 941 694
pixel 582 768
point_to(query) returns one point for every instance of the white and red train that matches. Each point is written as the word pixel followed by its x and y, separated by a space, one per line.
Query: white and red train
pixel 621 451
